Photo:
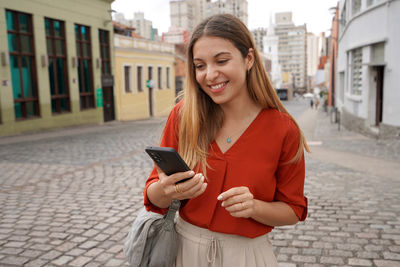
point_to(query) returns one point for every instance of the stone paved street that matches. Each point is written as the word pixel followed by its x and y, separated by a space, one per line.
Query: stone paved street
pixel 68 197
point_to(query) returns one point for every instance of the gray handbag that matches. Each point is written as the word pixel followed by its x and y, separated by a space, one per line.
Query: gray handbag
pixel 153 240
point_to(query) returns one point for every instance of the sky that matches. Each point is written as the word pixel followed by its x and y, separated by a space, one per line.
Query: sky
pixel 314 13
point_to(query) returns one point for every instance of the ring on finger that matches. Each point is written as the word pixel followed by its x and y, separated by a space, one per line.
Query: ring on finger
pixel 177 189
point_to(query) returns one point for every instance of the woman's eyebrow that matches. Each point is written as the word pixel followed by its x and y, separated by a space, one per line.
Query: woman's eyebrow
pixel 222 53
pixel 217 55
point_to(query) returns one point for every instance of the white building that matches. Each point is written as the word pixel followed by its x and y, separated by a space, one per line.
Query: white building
pixel 258 36
pixel 238 8
pixel 271 43
pixel 292 48
pixel 175 35
pixel 312 54
pixel 187 14
pixel 182 14
pixel 368 73
pixel 143 27
pixel 322 45
pixel 120 18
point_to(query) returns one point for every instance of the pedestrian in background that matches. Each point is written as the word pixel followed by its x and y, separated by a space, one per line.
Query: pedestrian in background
pixel 316 102
pixel 245 150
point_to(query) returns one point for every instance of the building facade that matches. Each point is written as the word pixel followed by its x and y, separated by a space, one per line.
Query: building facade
pixel 271 48
pixel 292 49
pixel 141 26
pixel 333 54
pixel 187 14
pixel 183 14
pixel 238 8
pixel 312 59
pixel 56 64
pixel 176 35
pixel 258 36
pixel 368 73
pixel 144 78
pixel 180 67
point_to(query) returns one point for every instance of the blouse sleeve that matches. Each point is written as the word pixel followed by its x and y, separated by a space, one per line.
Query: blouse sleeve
pixel 290 176
pixel 169 139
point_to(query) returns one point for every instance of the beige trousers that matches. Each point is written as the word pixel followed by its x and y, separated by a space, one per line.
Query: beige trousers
pixel 199 247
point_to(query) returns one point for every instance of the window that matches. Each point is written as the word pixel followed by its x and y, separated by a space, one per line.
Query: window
pixel 159 77
pixel 356 65
pixel 342 20
pixel 58 71
pixel 356 6
pixel 341 86
pixel 104 41
pixel 150 82
pixel 168 83
pixel 22 64
pixel 139 78
pixel 372 2
pixel 127 79
pixel 85 71
pixel 150 73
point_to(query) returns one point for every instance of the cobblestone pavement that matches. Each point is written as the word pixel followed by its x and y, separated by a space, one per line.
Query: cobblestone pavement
pixel 344 140
pixel 68 197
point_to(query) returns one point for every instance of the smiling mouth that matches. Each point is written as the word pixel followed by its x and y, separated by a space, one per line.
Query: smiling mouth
pixel 218 87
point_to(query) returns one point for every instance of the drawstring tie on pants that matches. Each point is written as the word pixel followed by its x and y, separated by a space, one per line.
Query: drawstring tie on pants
pixel 213 249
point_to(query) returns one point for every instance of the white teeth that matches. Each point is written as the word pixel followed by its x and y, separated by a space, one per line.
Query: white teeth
pixel 215 87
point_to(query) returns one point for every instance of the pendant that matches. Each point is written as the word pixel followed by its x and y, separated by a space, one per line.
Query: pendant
pixel 228 140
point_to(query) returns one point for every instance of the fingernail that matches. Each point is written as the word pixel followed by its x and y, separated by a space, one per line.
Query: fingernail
pixel 191 173
pixel 219 197
pixel 205 186
pixel 202 179
pixel 222 204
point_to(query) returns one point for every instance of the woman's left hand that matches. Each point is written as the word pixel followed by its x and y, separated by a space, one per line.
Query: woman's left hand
pixel 238 201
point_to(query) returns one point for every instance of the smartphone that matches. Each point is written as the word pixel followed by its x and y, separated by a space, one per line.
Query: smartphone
pixel 168 160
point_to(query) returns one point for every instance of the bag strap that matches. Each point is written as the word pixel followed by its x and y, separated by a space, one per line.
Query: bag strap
pixel 173 208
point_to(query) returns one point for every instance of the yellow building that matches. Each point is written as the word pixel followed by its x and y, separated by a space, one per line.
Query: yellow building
pixel 144 78
pixel 56 64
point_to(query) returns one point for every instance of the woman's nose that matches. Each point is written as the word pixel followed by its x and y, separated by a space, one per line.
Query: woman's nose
pixel 212 73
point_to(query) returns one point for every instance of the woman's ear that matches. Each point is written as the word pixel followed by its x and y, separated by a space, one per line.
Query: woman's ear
pixel 250 59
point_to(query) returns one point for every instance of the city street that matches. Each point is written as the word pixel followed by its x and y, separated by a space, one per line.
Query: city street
pixel 68 196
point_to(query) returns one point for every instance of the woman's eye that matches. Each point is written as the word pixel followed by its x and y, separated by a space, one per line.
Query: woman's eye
pixel 198 66
pixel 222 61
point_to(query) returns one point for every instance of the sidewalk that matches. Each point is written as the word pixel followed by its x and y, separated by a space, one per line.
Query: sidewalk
pixel 353 201
pixel 345 140
pixel 74 130
pixel 349 149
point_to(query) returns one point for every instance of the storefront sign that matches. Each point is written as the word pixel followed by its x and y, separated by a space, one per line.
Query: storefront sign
pixel 107 80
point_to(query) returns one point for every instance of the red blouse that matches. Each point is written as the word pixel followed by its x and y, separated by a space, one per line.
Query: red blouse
pixel 256 160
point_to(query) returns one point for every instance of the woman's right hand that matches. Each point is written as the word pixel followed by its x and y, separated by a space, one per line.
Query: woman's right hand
pixel 189 189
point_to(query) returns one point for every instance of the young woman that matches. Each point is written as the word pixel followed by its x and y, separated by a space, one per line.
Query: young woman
pixel 245 150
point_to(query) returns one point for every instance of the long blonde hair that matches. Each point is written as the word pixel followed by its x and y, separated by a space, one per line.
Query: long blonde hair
pixel 200 117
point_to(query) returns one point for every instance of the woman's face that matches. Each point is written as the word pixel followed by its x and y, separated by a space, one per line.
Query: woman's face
pixel 220 69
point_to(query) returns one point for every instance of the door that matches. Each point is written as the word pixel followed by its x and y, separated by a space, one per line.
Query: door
pixel 379 94
pixel 108 104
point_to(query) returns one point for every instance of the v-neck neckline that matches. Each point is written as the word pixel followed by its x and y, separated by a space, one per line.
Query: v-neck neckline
pixel 240 137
